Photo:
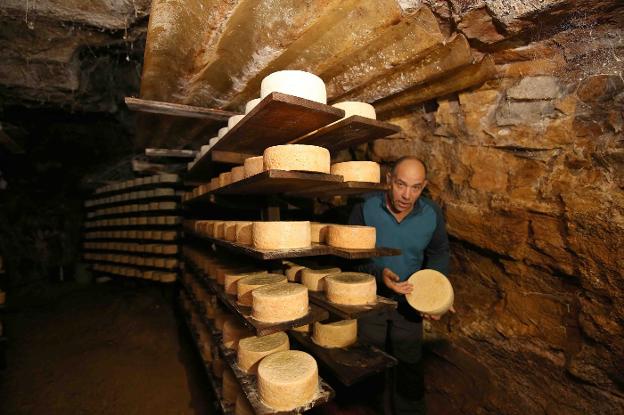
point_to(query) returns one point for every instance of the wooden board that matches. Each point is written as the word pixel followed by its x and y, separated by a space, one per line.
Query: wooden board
pixel 348 364
pixel 179 110
pixel 339 189
pixel 362 253
pixel 170 153
pixel 348 132
pixel 167 198
pixel 249 386
pixel 160 212
pixel 350 311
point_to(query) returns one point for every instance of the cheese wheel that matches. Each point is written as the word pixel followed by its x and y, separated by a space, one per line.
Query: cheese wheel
pixel 362 109
pixel 231 388
pixel 252 104
pixel 230 269
pixel 244 232
pixel 222 131
pixel 358 171
pixel 252 349
pixel 297 157
pixel 281 235
pixel 302 329
pixel 213 141
pixel 351 236
pixel 279 302
pixel 233 332
pixel 287 380
pixel 225 179
pixel 318 232
pixel 339 334
pixel 238 173
pixel 432 294
pixel 219 230
pixel 229 231
pixel 214 183
pixel 246 285
pixel 231 280
pixel 298 83
pixel 253 166
pixel 242 406
pixel 351 288
pixel 293 272
pixel 220 319
pixel 313 279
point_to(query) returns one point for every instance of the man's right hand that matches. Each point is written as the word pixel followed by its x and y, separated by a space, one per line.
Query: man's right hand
pixel 392 281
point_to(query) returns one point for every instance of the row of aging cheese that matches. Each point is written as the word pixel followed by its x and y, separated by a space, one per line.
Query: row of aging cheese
pixel 134 221
pixel 129 196
pixel 134 208
pixel 293 157
pixel 153 262
pixel 129 184
pixel 164 249
pixel 133 234
pixel 272 235
pixel 133 272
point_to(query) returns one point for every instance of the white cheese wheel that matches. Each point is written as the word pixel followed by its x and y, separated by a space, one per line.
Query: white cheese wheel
pixel 219 230
pixel 297 157
pixel 231 388
pixel 233 332
pixel 213 141
pixel 339 334
pixel 204 149
pixel 242 406
pixel 351 236
pixel 253 166
pixel 293 272
pixel 287 380
pixel 244 232
pixel 313 279
pixel 351 288
pixel 252 104
pixel 318 232
pixel 222 270
pixel 231 280
pixel 298 83
pixel 225 178
pixel 281 235
pixel 358 171
pixel 279 302
pixel 432 294
pixel 350 108
pixel 238 173
pixel 229 231
pixel 222 131
pixel 246 285
pixel 252 349
pixel 232 121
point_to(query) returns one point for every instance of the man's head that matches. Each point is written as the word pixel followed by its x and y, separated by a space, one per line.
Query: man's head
pixel 407 180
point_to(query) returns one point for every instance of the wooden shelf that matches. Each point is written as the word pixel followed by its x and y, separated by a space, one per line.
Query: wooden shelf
pixel 350 311
pixel 158 212
pixel 132 253
pixel 349 364
pixel 127 265
pixel 166 198
pixel 315 250
pixel 339 189
pixel 175 185
pixel 249 386
pixel 179 110
pixel 277 119
pixel 348 132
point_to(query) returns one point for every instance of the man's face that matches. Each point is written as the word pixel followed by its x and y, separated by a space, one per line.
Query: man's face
pixel 406 185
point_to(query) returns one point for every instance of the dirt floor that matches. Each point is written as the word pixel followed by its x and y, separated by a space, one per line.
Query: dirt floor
pixel 114 348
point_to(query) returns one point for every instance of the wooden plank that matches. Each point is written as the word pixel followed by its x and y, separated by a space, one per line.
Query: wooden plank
pixel 348 364
pixel 350 311
pixel 249 386
pixel 178 110
pixel 363 253
pixel 170 153
pixel 277 181
pixel 348 132
pixel 339 189
pixel 277 119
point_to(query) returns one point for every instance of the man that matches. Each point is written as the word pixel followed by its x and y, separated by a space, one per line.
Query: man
pixel 414 224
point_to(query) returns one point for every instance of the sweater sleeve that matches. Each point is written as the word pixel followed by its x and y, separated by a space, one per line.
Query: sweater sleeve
pixel 437 253
pixel 366 266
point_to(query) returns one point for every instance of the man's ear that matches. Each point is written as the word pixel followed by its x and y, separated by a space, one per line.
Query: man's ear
pixel 388 178
pixel 426 182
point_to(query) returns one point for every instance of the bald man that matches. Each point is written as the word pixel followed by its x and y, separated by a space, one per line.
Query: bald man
pixel 406 220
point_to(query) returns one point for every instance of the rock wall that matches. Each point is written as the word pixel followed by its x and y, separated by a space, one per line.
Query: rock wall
pixel 529 169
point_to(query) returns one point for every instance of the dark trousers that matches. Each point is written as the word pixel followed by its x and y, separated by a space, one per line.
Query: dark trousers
pixel 402 390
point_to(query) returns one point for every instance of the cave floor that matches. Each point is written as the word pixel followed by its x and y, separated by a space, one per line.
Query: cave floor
pixel 114 348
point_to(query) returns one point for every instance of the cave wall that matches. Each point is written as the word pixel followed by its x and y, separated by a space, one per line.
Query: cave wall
pixel 529 168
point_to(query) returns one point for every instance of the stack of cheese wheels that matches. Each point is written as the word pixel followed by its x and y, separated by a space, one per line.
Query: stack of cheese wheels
pixel 287 380
pixel 225 178
pixel 253 166
pixel 242 406
pixel 351 108
pixel 339 334
pixel 281 235
pixel 231 279
pixel 358 171
pixel 233 332
pixel 434 295
pixel 246 285
pixel 298 83
pixel 279 302
pixel 231 388
pixel 351 236
pixel 318 232
pixel 293 272
pixel 244 232
pixel 313 279
pixel 238 173
pixel 351 288
pixel 297 157
pixel 253 349
pixel 252 104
